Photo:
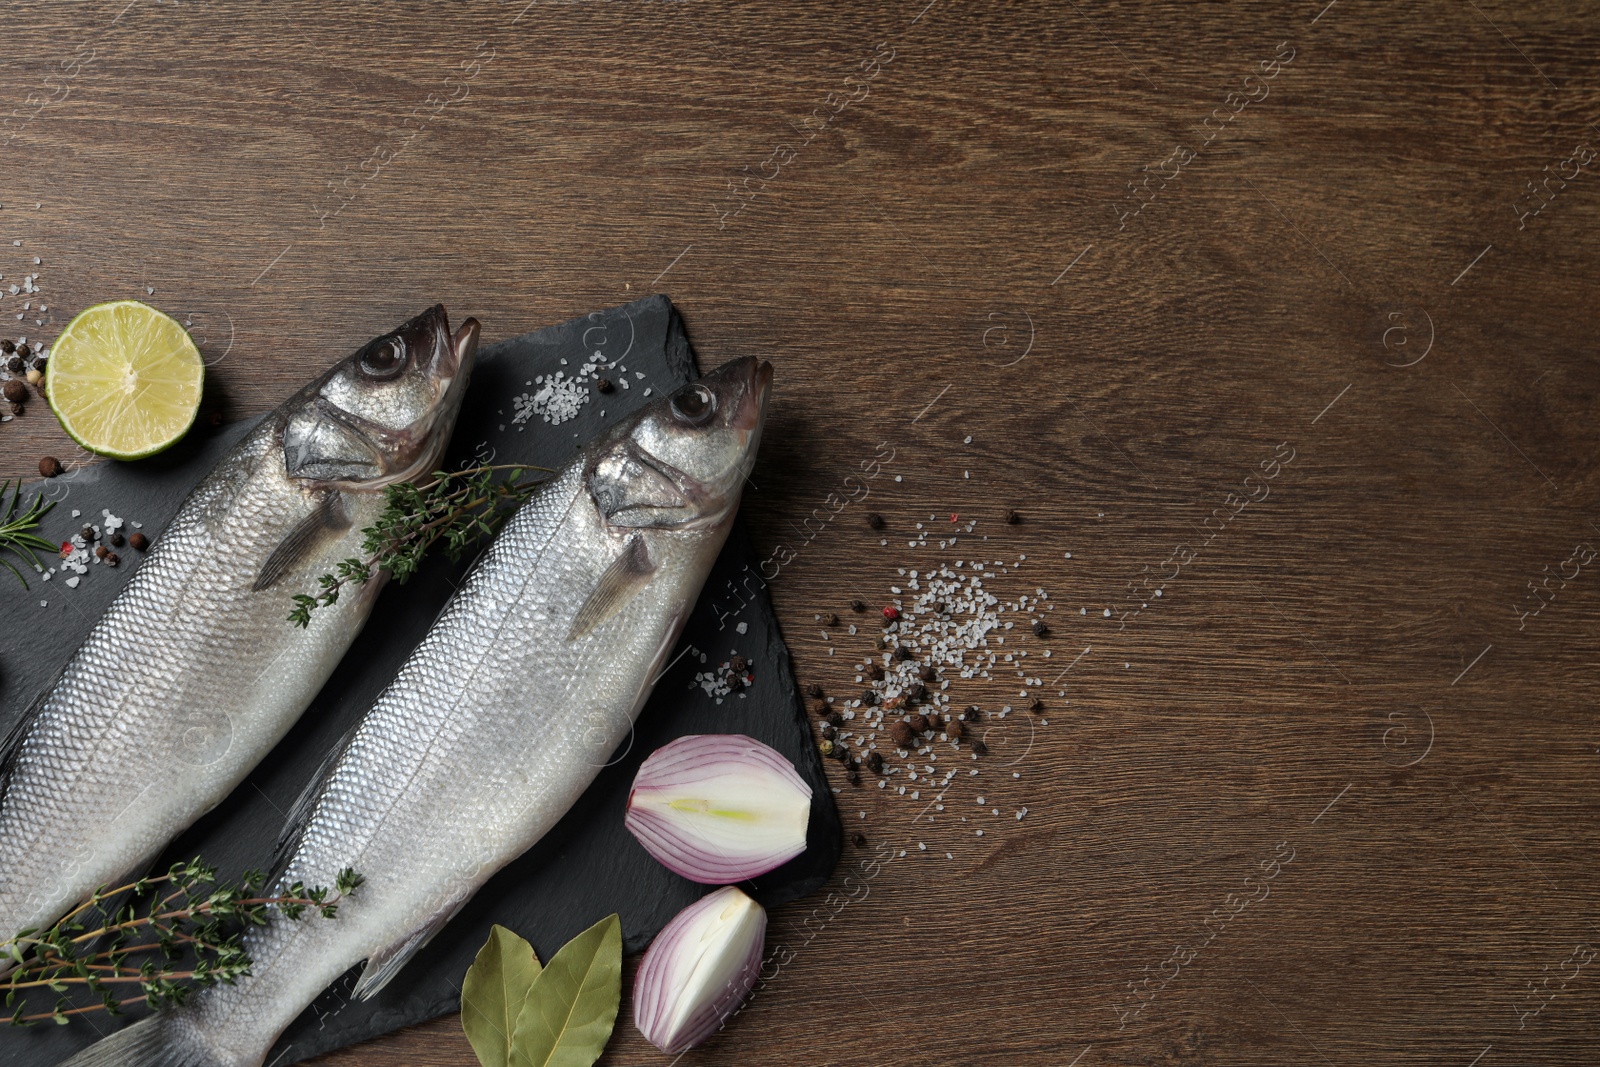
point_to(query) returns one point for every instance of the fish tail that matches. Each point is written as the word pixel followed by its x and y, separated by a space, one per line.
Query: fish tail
pixel 162 1040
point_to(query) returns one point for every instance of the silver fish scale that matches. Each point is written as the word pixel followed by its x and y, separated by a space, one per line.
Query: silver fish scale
pixel 179 689
pixel 489 733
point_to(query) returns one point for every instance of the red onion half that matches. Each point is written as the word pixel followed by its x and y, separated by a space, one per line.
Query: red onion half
pixel 698 970
pixel 719 808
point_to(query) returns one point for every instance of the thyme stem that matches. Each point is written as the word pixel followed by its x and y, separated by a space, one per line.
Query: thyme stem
pixel 187 938
pixel 458 507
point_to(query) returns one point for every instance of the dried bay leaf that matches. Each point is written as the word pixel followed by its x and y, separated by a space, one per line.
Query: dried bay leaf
pixel 494 992
pixel 570 1011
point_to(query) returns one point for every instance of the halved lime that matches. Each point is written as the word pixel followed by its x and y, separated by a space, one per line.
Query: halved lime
pixel 124 380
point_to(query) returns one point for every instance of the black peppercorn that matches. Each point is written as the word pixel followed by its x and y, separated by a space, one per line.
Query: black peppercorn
pixel 904 653
pixel 874 763
pixel 1012 518
pixel 814 690
pixel 835 719
pixel 902 734
pixel 875 521
pixel 972 714
pixel 17 409
pixel 49 467
pixel 927 673
pixel 917 693
pixel 15 365
pixel 828 731
pixel 858 839
pixel 978 747
pixel 15 391
pixel 8 347
pixel 858 605
pixel 875 672
pixel 116 540
pixel 819 707
pixel 112 559
pixel 88 534
pixel 1035 705
pixel 840 752
pixel 830 619
pixel 40 363
pixel 869 697
pixel 738 665
pixel 24 351
pixel 604 385
pixel 1040 629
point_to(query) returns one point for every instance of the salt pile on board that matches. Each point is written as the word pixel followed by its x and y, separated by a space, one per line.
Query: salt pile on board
pixel 558 397
pixel 730 677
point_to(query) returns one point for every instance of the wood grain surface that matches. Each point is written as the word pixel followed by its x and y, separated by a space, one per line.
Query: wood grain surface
pixel 1329 798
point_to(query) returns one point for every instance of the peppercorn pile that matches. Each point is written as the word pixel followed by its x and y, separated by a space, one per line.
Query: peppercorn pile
pixel 941 627
pixel 94 545
pixel 22 366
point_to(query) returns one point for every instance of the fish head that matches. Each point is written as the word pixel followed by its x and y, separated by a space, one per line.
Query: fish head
pixel 680 462
pixel 385 413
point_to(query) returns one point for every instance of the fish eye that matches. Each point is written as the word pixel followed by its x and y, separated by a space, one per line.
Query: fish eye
pixel 382 359
pixel 695 405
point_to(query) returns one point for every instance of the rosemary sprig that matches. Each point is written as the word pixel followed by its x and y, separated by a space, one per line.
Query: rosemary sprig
pixel 15 535
pixel 456 507
pixel 184 929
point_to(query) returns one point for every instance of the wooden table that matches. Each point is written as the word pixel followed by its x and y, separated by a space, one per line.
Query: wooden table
pixel 1320 788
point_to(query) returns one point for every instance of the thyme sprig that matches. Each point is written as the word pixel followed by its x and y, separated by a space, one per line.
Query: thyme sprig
pixel 15 529
pixel 167 935
pixel 458 508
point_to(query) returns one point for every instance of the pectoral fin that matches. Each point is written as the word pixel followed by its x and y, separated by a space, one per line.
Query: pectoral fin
pixel 326 521
pixel 622 580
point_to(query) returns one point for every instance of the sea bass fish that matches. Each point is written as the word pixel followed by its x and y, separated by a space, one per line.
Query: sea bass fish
pixel 495 725
pixel 194 672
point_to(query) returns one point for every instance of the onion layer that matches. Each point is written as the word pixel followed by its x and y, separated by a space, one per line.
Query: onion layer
pixel 698 970
pixel 719 808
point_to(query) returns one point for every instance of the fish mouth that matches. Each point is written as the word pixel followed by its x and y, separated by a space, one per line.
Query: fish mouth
pixel 752 407
pixel 452 370
pixel 421 445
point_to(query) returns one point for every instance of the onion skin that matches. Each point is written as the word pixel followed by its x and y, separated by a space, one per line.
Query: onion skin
pixel 699 970
pixel 719 808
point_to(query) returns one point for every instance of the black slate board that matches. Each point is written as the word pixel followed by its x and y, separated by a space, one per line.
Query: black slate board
pixel 589 866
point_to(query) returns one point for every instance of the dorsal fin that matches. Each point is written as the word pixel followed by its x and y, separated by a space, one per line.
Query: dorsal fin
pixel 300 812
pixel 626 575
pixel 327 519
